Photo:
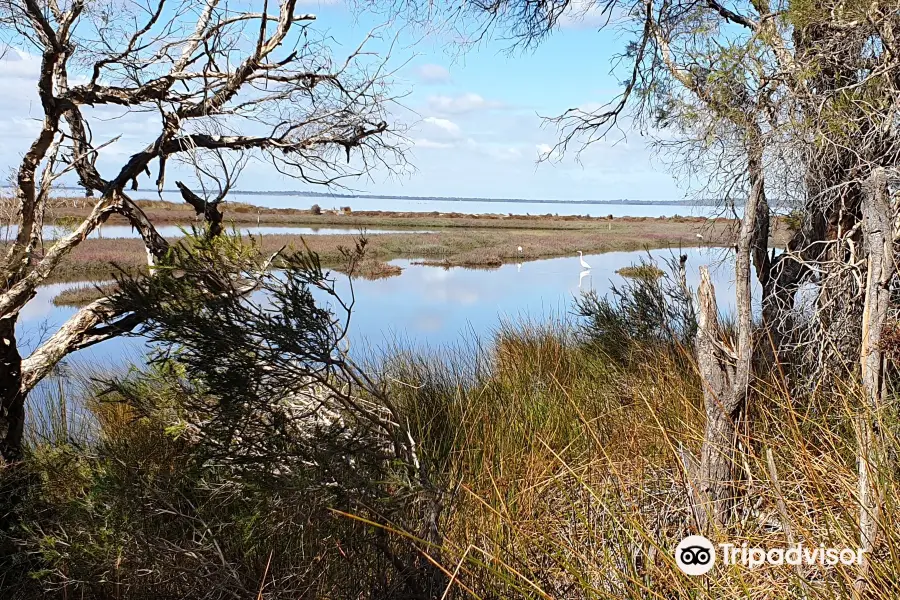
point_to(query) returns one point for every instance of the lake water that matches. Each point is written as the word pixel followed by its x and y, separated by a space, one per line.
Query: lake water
pixel 175 231
pixel 426 306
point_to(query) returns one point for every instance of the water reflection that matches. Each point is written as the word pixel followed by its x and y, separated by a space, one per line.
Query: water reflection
pixel 428 306
pixel 434 306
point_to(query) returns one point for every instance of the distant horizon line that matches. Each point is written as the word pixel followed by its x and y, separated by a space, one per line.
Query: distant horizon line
pixel 307 194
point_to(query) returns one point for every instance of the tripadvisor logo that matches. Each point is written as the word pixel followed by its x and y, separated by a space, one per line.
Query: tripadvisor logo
pixel 696 555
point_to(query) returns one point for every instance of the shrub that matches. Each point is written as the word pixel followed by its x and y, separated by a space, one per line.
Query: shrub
pixel 793 220
pixel 251 452
pixel 315 209
pixel 642 271
pixel 656 309
pixel 142 515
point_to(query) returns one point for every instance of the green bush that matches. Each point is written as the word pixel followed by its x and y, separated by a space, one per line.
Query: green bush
pixel 645 310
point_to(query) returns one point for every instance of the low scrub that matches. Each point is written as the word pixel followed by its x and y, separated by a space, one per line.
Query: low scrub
pixel 644 271
pixel 373 269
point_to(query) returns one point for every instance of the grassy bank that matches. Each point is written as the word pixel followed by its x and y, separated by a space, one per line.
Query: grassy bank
pixel 571 482
pixel 163 212
pixel 81 295
pixel 483 242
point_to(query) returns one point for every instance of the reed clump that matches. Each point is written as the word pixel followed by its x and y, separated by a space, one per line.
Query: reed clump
pixel 641 271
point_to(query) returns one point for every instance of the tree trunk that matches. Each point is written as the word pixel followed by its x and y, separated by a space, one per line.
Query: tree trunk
pixel 726 375
pixel 878 230
pixel 209 210
pixel 12 400
pixel 713 479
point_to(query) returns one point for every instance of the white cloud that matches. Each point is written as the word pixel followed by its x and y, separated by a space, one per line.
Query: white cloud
pixel 431 144
pixel 444 124
pixel 18 64
pixel 431 73
pixel 496 150
pixel 464 103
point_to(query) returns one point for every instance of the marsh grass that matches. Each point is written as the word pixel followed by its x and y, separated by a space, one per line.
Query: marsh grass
pixel 562 461
pixel 373 269
pixel 474 242
pixel 81 295
pixel 569 480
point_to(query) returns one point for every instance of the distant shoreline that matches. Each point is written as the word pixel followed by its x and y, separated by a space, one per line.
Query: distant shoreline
pixel 305 194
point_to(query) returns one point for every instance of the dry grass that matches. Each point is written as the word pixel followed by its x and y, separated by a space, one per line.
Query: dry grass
pixel 163 212
pixel 565 480
pixel 373 269
pixel 570 482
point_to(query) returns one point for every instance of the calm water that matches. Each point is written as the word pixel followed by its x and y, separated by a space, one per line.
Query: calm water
pixel 175 231
pixel 426 306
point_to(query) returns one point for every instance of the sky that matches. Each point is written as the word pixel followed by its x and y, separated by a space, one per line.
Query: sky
pixel 473 119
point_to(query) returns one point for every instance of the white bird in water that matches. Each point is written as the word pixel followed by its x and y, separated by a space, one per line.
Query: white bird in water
pixel 584 265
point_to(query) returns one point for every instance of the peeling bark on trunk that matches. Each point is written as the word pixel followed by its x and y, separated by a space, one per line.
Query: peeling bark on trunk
pixel 726 373
pixel 878 229
pixel 713 478
pixel 788 270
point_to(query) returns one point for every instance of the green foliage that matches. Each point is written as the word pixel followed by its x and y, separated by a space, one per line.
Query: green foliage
pixel 224 467
pixel 67 223
pixel 647 310
pixel 139 516
pixel 642 271
pixel 793 220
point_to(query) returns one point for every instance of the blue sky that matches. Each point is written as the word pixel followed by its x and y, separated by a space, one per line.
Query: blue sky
pixel 474 118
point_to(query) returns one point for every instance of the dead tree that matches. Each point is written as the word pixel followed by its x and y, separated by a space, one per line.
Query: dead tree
pixel 246 82
pixel 208 209
pixel 879 224
pixel 711 482
pixel 878 231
